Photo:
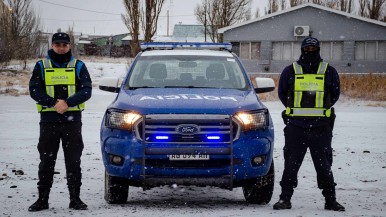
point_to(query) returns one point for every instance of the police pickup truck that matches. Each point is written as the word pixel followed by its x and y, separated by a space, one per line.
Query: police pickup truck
pixel 187 114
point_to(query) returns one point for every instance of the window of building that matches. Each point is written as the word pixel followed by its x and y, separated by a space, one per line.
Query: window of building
pixel 244 50
pixel 370 50
pixel 248 50
pixel 277 47
pixel 337 50
pixel 286 50
pixel 296 50
pixel 331 50
pixel 382 50
pixel 325 50
pixel 255 50
pixel 360 50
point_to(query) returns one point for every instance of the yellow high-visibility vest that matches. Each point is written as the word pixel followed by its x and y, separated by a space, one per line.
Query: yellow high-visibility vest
pixel 306 83
pixel 59 76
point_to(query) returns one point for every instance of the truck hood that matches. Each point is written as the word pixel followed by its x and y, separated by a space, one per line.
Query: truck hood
pixel 187 101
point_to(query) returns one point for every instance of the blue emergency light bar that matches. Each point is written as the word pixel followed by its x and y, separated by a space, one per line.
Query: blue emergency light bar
pixel 182 45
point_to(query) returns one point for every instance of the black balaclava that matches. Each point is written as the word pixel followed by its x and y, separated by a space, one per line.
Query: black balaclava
pixel 60 58
pixel 310 58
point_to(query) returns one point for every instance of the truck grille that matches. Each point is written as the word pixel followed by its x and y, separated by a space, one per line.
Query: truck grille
pixel 187 128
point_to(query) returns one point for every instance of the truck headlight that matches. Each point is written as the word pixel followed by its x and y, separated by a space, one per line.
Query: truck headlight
pixel 253 120
pixel 121 119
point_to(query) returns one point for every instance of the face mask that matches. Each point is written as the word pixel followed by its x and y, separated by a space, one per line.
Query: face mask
pixel 61 58
pixel 310 57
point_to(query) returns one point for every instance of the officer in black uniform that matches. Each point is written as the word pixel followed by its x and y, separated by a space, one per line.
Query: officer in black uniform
pixel 308 89
pixel 60 85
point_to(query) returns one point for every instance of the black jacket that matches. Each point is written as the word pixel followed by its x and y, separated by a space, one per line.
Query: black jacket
pixel 286 83
pixel 38 90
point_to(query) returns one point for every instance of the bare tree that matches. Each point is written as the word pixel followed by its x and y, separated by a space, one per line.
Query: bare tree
pixel 318 2
pixel 70 33
pixel 24 29
pixel 346 5
pixel 221 13
pixel 248 14
pixel 374 8
pixel 150 20
pixel 283 4
pixel 272 7
pixel 363 8
pixel 5 37
pixel 331 4
pixel 257 14
pixel 294 3
pixel 141 14
pixel 132 20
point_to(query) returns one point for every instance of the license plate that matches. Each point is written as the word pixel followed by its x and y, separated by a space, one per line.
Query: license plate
pixel 189 157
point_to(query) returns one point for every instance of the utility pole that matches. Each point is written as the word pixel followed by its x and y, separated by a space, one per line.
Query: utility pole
pixel 206 3
pixel 167 28
pixel 170 17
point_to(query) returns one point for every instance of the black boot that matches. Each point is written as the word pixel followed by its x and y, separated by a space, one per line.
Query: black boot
pixel 331 204
pixel 42 202
pixel 282 204
pixel 75 202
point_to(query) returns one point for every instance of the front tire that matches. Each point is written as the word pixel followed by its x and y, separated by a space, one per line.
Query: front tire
pixel 116 189
pixel 260 190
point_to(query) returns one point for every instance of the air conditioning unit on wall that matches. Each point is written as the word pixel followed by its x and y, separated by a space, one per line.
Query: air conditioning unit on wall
pixel 301 30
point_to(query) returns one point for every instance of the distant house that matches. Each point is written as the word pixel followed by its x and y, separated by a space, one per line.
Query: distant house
pixel 112 46
pixel 127 40
pixel 189 33
pixel 44 44
pixel 110 40
pixel 348 42
pixel 181 33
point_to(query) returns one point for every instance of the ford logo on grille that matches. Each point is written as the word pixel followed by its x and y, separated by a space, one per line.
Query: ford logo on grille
pixel 188 129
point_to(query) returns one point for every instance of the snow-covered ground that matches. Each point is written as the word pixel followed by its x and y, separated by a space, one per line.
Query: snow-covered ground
pixel 359 167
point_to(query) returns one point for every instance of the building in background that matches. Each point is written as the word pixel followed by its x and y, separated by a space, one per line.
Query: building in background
pixel 189 33
pixel 111 46
pixel 350 43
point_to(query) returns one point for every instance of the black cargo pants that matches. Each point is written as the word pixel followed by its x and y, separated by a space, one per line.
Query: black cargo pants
pixel 297 141
pixel 50 136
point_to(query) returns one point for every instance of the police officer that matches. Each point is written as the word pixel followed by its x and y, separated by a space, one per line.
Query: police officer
pixel 308 89
pixel 60 85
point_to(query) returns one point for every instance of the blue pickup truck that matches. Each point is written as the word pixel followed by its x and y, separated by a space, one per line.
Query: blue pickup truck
pixel 187 114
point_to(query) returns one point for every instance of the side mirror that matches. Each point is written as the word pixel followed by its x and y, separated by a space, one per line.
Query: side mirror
pixel 264 85
pixel 110 84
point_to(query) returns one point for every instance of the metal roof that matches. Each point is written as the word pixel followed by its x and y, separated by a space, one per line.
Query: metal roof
pixel 222 30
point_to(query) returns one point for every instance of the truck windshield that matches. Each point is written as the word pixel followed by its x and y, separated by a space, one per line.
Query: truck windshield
pixel 190 71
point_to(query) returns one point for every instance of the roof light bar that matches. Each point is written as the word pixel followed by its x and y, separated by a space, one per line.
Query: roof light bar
pixel 182 45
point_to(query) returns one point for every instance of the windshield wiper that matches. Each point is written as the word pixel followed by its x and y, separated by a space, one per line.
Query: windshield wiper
pixel 134 88
pixel 186 87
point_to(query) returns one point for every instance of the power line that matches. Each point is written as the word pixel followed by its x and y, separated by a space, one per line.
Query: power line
pixel 99 12
pixel 80 20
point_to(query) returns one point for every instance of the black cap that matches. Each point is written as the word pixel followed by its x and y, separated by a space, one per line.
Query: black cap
pixel 61 37
pixel 310 41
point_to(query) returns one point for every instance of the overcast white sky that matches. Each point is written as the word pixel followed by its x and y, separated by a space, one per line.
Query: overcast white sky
pixel 78 13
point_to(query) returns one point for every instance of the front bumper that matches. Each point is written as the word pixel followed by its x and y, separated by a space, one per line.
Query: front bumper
pixel 227 167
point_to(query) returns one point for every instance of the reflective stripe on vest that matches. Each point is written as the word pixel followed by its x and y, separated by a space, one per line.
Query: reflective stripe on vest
pixel 59 76
pixel 309 82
